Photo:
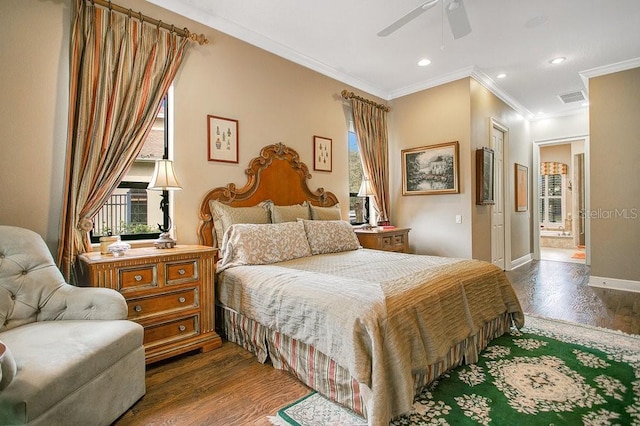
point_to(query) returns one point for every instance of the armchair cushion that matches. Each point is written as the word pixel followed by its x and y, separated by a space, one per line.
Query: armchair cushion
pixel 59 357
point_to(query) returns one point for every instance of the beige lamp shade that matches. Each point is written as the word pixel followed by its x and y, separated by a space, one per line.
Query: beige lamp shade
pixel 365 188
pixel 164 178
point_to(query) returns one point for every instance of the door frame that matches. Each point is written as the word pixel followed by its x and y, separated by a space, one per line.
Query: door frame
pixel 536 191
pixel 494 123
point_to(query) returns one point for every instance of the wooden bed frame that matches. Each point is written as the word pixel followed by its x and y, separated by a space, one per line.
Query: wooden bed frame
pixel 277 175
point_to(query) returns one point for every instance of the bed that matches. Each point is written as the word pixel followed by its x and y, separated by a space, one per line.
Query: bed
pixel 366 328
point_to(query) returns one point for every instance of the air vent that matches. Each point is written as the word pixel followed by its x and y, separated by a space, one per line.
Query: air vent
pixel 570 97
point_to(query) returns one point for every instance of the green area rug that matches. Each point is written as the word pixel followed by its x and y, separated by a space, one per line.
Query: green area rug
pixel 548 373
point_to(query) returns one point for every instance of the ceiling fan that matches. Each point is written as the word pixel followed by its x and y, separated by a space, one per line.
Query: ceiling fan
pixel 456 14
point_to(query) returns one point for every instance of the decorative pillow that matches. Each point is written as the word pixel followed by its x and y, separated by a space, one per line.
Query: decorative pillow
pixel 325 213
pixel 8 368
pixel 224 216
pixel 330 236
pixel 281 214
pixel 262 244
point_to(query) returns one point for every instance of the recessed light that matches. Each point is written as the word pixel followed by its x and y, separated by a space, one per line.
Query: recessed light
pixel 585 104
pixel 501 75
pixel 424 62
pixel 558 60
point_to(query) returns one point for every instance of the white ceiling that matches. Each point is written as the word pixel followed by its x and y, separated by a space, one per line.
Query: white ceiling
pixel 339 38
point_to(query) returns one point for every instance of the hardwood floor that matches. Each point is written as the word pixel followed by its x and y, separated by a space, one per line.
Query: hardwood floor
pixel 228 386
pixel 224 387
pixel 560 290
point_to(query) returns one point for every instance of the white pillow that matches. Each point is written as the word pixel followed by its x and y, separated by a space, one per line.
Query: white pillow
pixel 224 216
pixel 281 214
pixel 325 213
pixel 262 244
pixel 330 236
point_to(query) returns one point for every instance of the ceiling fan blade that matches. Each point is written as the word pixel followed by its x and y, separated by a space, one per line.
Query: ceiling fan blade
pixel 408 17
pixel 458 20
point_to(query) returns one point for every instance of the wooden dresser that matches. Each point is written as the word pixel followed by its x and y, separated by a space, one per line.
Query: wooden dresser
pixel 396 239
pixel 168 291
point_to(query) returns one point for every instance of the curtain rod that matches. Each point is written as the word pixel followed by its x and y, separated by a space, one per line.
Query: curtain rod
pixel 350 95
pixel 198 38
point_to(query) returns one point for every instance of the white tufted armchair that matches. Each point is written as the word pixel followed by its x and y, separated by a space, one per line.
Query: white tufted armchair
pixel 71 357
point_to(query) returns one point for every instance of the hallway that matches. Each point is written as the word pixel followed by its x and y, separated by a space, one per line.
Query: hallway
pixel 560 290
pixel 562 255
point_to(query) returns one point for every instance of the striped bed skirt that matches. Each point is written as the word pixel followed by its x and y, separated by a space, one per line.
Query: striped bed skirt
pixel 323 374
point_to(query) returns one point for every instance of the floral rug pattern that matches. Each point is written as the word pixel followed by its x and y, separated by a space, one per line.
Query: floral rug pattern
pixel 550 372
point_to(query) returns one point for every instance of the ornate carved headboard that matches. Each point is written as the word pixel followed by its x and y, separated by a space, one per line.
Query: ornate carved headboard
pixel 277 174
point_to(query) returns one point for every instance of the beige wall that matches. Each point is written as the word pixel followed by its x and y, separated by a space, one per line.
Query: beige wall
pixel 460 111
pixel 33 106
pixel 273 99
pixel 484 107
pixel 560 153
pixel 615 186
pixel 429 117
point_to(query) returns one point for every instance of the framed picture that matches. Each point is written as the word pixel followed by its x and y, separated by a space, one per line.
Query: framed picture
pixel 484 176
pixel 322 154
pixel 222 139
pixel 430 170
pixel 522 188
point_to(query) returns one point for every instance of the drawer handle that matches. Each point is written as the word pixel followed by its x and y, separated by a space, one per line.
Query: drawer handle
pixel 181 272
pixel 138 278
pixel 182 328
pixel 182 300
pixel 137 308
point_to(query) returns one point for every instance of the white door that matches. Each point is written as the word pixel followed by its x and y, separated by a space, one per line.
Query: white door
pixel 497 210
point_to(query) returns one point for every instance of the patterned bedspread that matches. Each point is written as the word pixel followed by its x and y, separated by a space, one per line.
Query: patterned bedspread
pixel 384 316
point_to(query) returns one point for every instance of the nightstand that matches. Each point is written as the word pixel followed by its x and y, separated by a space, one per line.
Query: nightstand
pixel 170 292
pixel 396 239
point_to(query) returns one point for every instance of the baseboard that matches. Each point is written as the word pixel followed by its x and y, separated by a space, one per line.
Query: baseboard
pixel 521 261
pixel 615 284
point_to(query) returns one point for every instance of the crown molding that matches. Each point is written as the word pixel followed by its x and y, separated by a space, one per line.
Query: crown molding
pixel 428 84
pixel 251 37
pixel 607 69
pixel 482 78
pixel 276 48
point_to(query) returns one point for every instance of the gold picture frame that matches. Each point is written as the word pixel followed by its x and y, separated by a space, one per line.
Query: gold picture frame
pixel 432 169
pixel 522 187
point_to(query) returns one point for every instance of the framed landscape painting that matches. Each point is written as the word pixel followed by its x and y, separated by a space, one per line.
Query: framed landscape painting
pixel 430 170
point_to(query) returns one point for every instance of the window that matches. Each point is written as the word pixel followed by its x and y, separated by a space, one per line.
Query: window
pixel 132 211
pixel 552 199
pixel 358 206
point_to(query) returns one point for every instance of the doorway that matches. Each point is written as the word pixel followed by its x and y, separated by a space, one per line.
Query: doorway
pixel 500 250
pixel 560 200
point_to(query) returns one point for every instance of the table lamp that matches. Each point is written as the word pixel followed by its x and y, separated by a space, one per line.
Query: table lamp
pixel 164 179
